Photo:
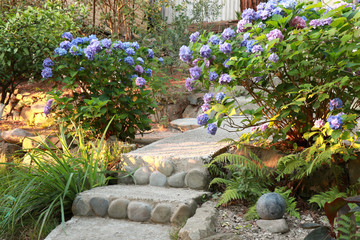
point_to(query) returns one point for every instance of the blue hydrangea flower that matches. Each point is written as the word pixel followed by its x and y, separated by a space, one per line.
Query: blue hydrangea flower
pixel 208 97
pixel 60 51
pixel 85 39
pixel 257 48
pixel 220 96
pixel 335 122
pixel 189 84
pixel 214 40
pixel 48 62
pixel 140 81
pixel 205 51
pixel 225 47
pixel 126 45
pixel 261 25
pixel 335 103
pixel 74 50
pixel 96 45
pixel 250 44
pixel 129 60
pixel 227 34
pixel 195 72
pixel 202 119
pixel 65 45
pixel 67 35
pixel 212 128
pixel 77 41
pixel 161 60
pixel 249 14
pixel 134 76
pixel 118 45
pixel 225 63
pixel 273 58
pixel 106 43
pixel 213 76
pixel 205 107
pixel 193 37
pixel 92 37
pixel 185 54
pixel 148 72
pixel 47 108
pixel 150 53
pixel 130 51
pixel 139 69
pixel 46 73
pixel 273 34
pixel 257 79
pixel 140 60
pixel 90 52
pixel 225 78
pixel 135 45
pixel 81 69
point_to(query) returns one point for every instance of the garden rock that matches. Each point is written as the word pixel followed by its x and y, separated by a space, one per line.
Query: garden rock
pixel 185 124
pixel 183 212
pixel 26 114
pixel 195 99
pixel 161 213
pixel 38 107
pixel 138 211
pixel 99 206
pixel 196 179
pixel 157 179
pixel 165 166
pixel 15 136
pixel 177 180
pixel 142 176
pixel 81 207
pixel 202 224
pixel 8 152
pixel 222 236
pixel 51 142
pixel 271 206
pixel 192 111
pixel 118 208
pixel 125 177
pixel 274 226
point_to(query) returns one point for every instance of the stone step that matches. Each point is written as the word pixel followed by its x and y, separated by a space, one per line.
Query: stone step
pixel 139 203
pixel 96 228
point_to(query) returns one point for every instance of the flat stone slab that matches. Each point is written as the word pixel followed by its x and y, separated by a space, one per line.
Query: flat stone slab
pixel 185 124
pixel 85 228
pixel 188 150
pixel 153 136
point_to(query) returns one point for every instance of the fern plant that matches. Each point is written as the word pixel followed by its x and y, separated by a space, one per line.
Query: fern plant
pixel 328 196
pixel 346 228
pixel 243 178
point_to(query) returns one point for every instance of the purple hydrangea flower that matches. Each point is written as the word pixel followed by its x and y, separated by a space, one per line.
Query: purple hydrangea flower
pixel 335 122
pixel 140 81
pixel 273 58
pixel 193 37
pixel 335 103
pixel 261 6
pixel 48 62
pixel 202 119
pixel 273 34
pixel 126 45
pixel 319 123
pixel 225 78
pixel 96 45
pixel 118 45
pixel 67 35
pixel 205 107
pixel 139 69
pixel 250 44
pixel 150 53
pixel 60 51
pixel 77 41
pixel 161 60
pixel 140 60
pixel 298 22
pixel 81 69
pixel 249 14
pixel 148 72
pixel 92 37
pixel 225 47
pixel 207 62
pixel 129 60
pixel 195 72
pixel 225 63
pixel 212 128
pixel 130 51
pixel 220 96
pixel 194 63
pixel 264 127
pixel 257 79
pixel 213 76
pixel 320 22
pixel 264 14
pixel 47 108
pixel 208 97
pixel 214 40
pixel 241 25
pixel 74 50
pixel 227 34
pixel 205 51
pixel 257 48
pixel 106 43
pixel 46 73
pixel 90 52
pixel 135 45
pixel 65 45
pixel 189 84
pixel 85 39
pixel 185 54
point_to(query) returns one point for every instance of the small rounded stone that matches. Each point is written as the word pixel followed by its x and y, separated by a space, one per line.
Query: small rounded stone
pixel 271 206
pixel 177 180
pixel 99 205
pixel 161 213
pixel 118 208
pixel 138 211
pixel 157 179
pixel 142 176
pixel 196 179
pixel 165 166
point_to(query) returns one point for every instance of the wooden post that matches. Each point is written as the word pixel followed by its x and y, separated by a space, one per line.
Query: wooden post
pixel 244 4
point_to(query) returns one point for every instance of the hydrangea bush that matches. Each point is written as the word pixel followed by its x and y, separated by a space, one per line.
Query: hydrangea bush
pixel 296 60
pixel 108 79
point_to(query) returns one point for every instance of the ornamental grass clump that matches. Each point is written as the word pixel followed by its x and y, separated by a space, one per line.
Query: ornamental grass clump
pixel 107 79
pixel 296 60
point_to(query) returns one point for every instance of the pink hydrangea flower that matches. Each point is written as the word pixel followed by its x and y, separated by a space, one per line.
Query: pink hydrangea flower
pixel 319 123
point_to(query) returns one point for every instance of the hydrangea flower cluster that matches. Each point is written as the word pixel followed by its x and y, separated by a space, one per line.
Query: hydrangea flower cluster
pixel 335 122
pixel 273 58
pixel 208 97
pixel 220 96
pixel 298 22
pixel 319 123
pixel 273 34
pixel 227 34
pixel 225 48
pixel 202 119
pixel 320 22
pixel 214 40
pixel 140 81
pixel 195 72
pixel 335 103
pixel 205 51
pixel 212 128
pixel 47 108
pixel 213 76
pixel 189 84
pixel 194 37
pixel 185 54
pixel 224 78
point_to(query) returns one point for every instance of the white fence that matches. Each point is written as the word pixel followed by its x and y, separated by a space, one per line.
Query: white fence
pixel 227 12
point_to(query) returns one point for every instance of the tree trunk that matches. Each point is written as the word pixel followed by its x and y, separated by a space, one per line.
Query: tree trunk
pixel 244 4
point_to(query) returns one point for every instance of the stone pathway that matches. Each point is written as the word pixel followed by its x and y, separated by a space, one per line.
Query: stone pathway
pixel 170 181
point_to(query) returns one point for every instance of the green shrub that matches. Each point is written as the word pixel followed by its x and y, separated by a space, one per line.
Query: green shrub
pixel 42 193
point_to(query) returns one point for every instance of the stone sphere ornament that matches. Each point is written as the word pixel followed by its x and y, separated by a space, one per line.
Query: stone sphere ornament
pixel 271 206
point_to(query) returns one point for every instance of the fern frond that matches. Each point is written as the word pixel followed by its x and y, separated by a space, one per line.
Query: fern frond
pixel 324 156
pixel 293 164
pixel 229 195
pixel 328 196
pixel 219 181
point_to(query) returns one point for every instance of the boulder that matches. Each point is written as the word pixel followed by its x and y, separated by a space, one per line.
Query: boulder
pixel 15 136
pixel 9 151
pixel 271 206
